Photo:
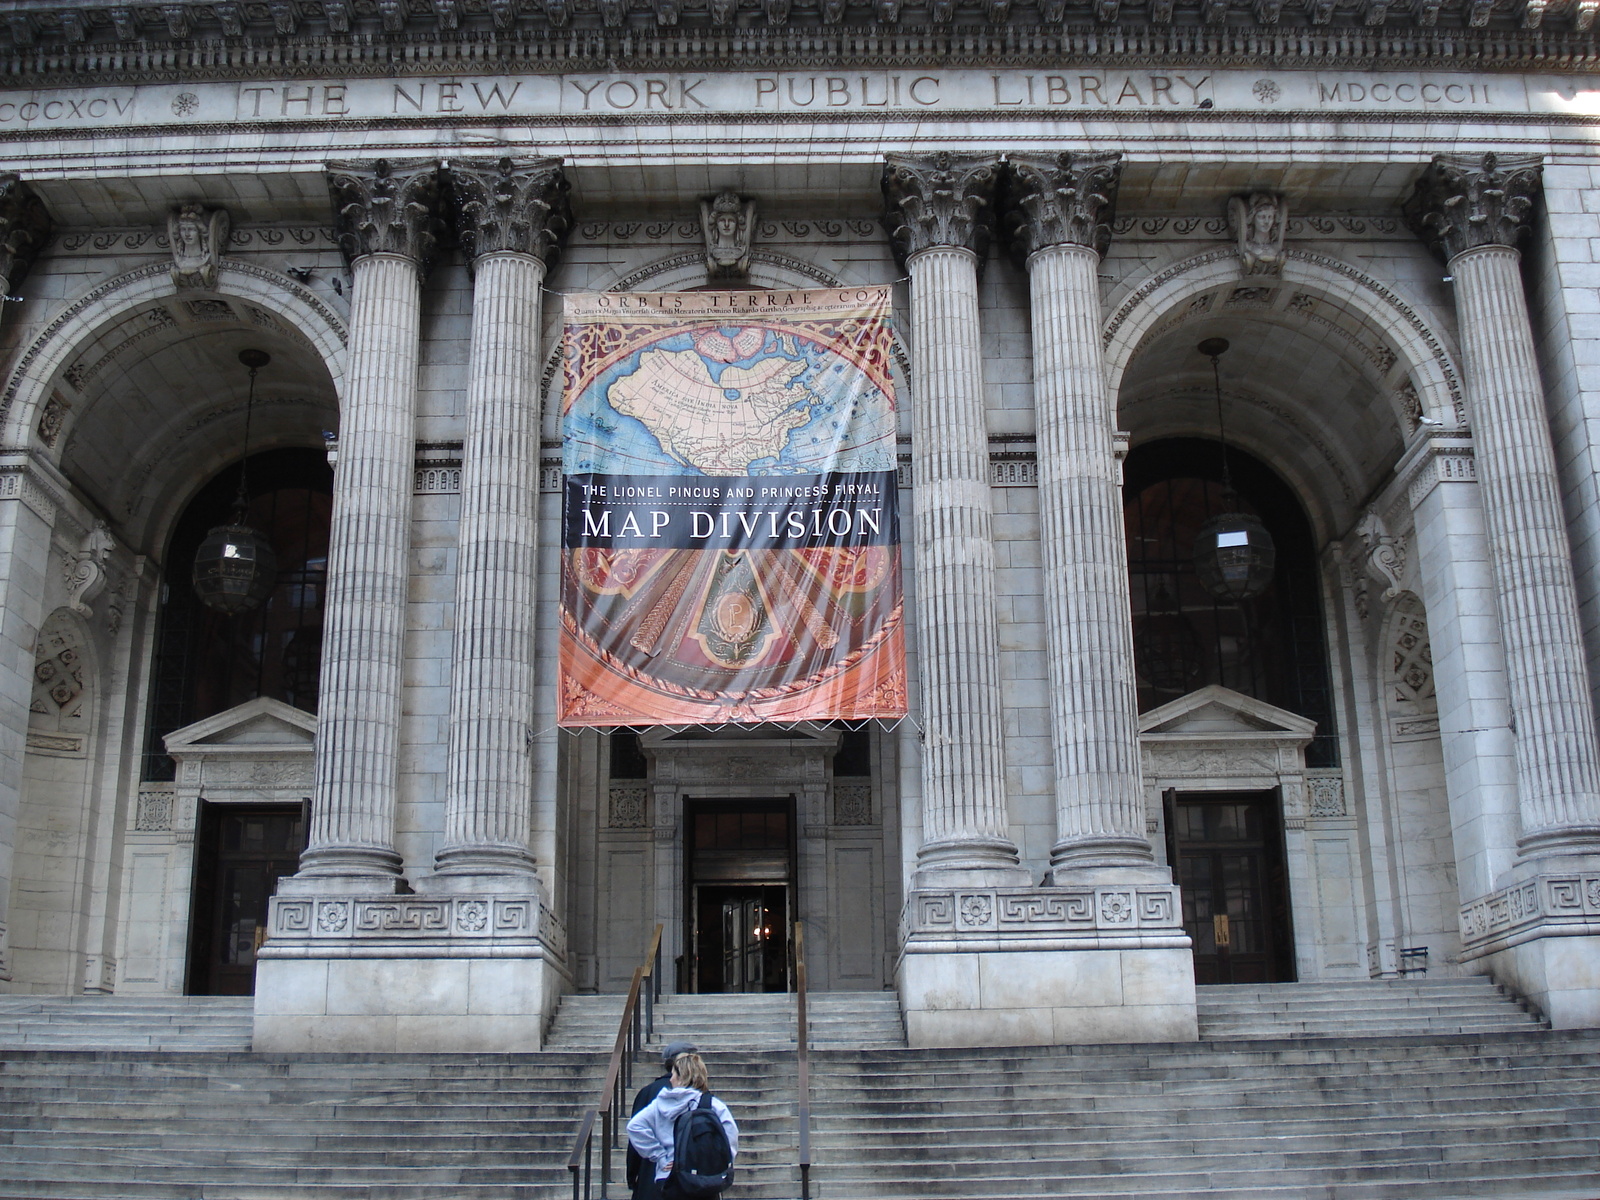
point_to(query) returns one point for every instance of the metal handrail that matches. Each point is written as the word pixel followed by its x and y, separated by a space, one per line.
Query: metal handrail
pixel 803 1055
pixel 634 1030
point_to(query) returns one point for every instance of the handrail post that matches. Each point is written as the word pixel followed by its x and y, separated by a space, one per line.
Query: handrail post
pixel 803 1060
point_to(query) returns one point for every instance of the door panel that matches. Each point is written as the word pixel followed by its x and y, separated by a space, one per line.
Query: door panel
pixel 242 852
pixel 1235 895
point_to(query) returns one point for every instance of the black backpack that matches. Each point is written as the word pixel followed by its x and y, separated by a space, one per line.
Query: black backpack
pixel 702 1159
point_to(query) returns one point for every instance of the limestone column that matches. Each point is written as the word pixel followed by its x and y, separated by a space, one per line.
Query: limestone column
pixel 1473 210
pixel 1058 218
pixel 28 504
pixel 511 217
pixel 940 217
pixel 385 216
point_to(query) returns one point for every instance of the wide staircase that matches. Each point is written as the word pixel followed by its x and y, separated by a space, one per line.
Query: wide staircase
pixel 1292 1095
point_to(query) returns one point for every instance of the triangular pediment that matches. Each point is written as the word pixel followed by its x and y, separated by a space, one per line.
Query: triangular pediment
pixel 1216 711
pixel 258 724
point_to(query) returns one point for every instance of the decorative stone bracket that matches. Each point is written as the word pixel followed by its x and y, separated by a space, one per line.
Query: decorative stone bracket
pixel 465 926
pixel 1100 917
pixel 1553 904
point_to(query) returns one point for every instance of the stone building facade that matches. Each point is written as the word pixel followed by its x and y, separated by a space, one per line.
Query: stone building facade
pixel 1384 763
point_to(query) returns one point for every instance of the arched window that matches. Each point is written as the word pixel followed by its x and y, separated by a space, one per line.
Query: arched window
pixel 206 662
pixel 1272 646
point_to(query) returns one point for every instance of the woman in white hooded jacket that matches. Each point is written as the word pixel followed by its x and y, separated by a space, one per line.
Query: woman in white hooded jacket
pixel 651 1128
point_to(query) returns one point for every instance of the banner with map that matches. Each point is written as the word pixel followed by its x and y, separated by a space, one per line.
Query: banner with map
pixel 730 524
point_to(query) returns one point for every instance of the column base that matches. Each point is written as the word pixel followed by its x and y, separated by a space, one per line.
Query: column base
pixel 1540 937
pixel 1046 966
pixel 437 974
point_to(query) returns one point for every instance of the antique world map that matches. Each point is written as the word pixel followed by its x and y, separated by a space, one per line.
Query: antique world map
pixel 730 530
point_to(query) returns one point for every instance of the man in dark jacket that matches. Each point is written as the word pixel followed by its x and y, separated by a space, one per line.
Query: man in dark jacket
pixel 642 1182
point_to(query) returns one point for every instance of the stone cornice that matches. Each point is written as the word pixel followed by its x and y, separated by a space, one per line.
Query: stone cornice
pixel 43 24
pixel 519 206
pixel 1554 47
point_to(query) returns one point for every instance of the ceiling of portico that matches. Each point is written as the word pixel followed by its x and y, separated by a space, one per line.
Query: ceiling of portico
pixel 155 404
pixel 1316 401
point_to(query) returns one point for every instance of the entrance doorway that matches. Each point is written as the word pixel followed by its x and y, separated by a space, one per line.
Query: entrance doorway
pixel 240 854
pixel 740 893
pixel 1229 862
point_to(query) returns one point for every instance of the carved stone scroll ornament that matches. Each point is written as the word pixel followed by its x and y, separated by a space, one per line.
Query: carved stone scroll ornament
pixel 1383 555
pixel 387 207
pixel 197 236
pixel 945 200
pixel 1258 222
pixel 729 224
pixel 86 573
pixel 1058 200
pixel 516 206
pixel 1465 201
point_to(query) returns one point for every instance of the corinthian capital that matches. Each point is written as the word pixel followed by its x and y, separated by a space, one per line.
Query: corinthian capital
pixel 515 206
pixel 945 200
pixel 1060 200
pixel 24 228
pixel 1464 201
pixel 386 207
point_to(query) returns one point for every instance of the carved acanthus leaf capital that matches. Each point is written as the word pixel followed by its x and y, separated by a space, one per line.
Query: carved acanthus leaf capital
pixel 387 206
pixel 1464 201
pixel 945 200
pixel 1060 200
pixel 24 229
pixel 516 206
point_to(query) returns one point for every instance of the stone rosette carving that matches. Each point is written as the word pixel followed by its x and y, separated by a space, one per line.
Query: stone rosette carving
pixel 153 812
pixel 852 804
pixel 511 206
pixel 945 200
pixel 1551 904
pixel 352 926
pixel 728 224
pixel 629 807
pixel 1327 795
pixel 24 229
pixel 1065 199
pixel 387 206
pixel 1464 201
pixel 197 236
pixel 1258 223
pixel 1078 917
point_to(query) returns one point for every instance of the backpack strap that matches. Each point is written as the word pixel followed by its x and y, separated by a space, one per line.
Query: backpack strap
pixel 705 1100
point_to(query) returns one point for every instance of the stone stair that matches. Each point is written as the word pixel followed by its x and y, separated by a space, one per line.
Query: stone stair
pixel 751 1022
pixel 177 1023
pixel 1381 1007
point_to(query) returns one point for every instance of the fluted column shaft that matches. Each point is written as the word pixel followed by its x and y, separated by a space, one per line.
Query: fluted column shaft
pixel 489 783
pixel 1088 631
pixel 965 822
pixel 358 728
pixel 1558 769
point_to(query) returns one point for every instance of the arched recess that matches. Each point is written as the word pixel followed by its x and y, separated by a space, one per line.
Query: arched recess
pixel 1422 356
pixel 27 391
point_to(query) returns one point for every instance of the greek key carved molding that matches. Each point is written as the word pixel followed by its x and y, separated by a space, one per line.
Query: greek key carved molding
pixel 409 920
pixel 1041 912
pixel 1556 904
pixel 1063 200
pixel 946 200
pixel 1464 201
pixel 387 207
pixel 517 206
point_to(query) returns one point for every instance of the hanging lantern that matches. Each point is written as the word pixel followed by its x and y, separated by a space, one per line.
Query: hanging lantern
pixel 1233 553
pixel 1234 556
pixel 235 567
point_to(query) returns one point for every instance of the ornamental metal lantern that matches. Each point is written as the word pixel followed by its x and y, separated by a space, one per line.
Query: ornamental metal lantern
pixel 1233 553
pixel 235 567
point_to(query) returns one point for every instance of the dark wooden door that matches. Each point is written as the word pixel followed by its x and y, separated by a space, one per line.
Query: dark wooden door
pixel 1235 894
pixel 241 853
pixel 743 939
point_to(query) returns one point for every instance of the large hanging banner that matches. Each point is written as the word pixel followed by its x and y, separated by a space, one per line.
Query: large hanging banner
pixel 730 531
